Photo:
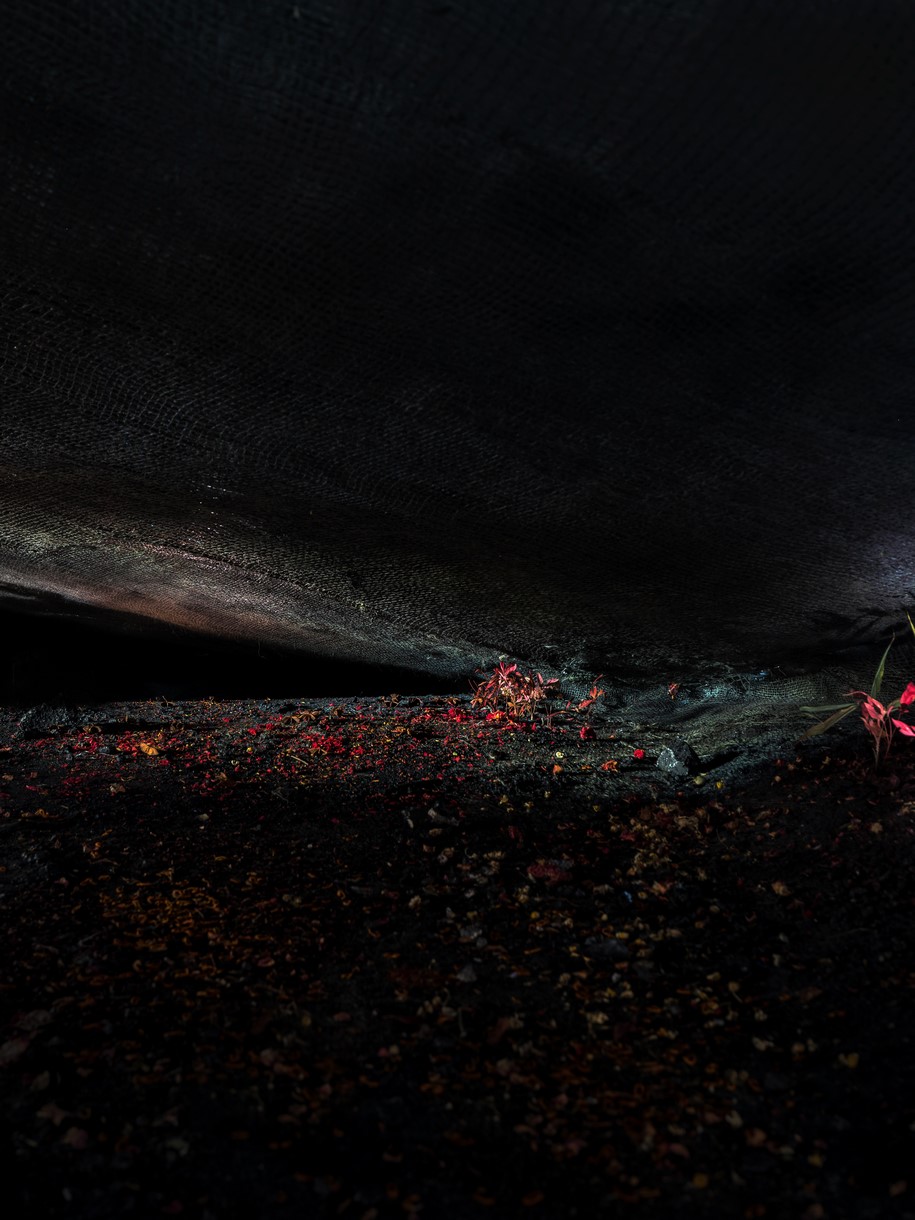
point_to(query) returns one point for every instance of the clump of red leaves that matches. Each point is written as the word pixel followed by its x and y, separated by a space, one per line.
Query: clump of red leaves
pixel 520 693
pixel 524 694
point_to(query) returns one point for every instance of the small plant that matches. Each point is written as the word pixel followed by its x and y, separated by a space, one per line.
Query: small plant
pixel 509 689
pixel 594 694
pixel 879 720
pixel 877 717
pixel 586 705
pixel 520 694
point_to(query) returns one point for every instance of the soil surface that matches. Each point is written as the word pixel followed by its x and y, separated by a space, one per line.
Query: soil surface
pixel 396 958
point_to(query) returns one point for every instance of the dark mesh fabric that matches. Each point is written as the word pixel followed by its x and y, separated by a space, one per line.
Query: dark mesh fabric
pixel 578 330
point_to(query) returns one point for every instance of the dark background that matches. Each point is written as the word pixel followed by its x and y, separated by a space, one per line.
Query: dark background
pixel 64 660
pixel 413 333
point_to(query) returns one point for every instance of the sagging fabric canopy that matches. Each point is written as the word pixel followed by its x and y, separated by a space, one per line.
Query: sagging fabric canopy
pixel 419 333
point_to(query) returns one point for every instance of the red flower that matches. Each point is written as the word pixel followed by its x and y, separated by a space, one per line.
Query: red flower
pixel 638 753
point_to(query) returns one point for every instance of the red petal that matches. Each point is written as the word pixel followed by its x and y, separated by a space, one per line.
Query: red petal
pixel 907 730
pixel 871 708
pixel 908 695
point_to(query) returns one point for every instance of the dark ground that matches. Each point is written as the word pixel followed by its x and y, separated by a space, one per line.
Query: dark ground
pixel 389 958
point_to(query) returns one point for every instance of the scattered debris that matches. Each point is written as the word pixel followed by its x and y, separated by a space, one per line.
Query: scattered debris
pixel 393 970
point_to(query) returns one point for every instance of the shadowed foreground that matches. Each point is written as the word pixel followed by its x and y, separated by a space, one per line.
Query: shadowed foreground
pixel 394 959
